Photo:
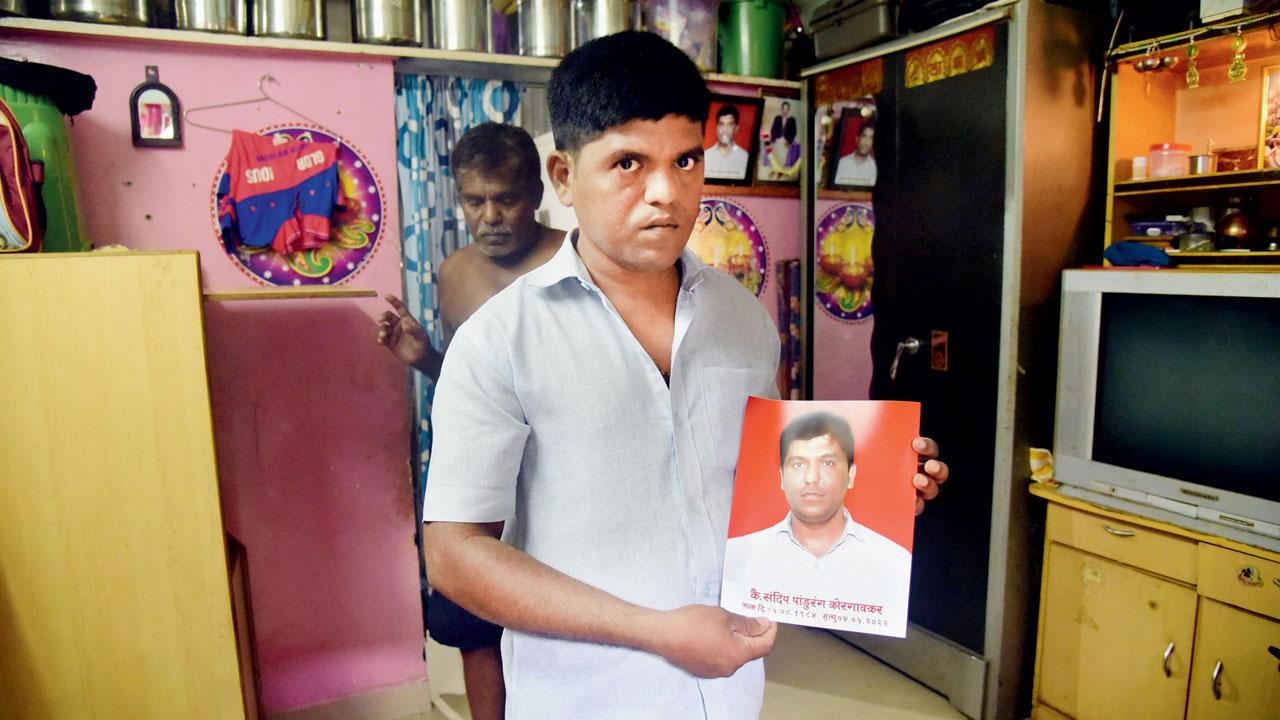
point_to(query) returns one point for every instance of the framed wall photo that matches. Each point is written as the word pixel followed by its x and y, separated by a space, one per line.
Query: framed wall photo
pixel 779 157
pixel 729 139
pixel 1269 137
pixel 853 155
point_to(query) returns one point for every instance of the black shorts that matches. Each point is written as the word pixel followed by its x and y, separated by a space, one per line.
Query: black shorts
pixel 450 625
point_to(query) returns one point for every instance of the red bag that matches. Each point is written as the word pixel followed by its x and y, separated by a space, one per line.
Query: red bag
pixel 21 229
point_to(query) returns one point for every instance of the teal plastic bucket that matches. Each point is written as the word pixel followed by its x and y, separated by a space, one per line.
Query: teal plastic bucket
pixel 751 37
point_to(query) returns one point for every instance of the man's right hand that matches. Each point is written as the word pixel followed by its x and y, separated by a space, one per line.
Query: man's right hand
pixel 400 333
pixel 709 641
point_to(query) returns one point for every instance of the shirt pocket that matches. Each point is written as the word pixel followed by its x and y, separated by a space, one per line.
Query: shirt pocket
pixel 725 391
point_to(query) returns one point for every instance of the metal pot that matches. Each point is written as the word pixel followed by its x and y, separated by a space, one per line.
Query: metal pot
pixel 544 27
pixel 597 18
pixel 115 12
pixel 14 7
pixel 388 22
pixel 289 19
pixel 224 16
pixel 460 25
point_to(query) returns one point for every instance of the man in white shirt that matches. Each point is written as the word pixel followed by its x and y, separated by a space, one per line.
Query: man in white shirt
pixel 598 401
pixel 817 551
pixel 859 167
pixel 726 160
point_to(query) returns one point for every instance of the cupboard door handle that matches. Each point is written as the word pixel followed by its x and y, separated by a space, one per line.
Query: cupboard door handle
pixel 1217 681
pixel 1168 653
pixel 1119 533
pixel 1276 581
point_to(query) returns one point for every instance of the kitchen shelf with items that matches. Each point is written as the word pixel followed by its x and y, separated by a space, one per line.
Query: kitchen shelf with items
pixel 1195 144
pixel 409 59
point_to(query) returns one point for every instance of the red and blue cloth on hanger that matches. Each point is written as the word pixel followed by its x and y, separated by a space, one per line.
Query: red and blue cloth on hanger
pixel 279 192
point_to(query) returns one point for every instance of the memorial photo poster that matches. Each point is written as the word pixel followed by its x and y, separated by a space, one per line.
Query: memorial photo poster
pixel 823 515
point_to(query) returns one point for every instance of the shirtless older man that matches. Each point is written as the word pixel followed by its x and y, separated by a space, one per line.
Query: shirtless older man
pixel 498 174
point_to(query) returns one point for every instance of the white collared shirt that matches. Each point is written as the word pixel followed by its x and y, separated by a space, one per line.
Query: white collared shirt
pixel 717 163
pixel 548 410
pixel 861 567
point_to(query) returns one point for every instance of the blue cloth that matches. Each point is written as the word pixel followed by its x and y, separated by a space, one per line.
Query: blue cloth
pixel 431 114
pixel 1132 254
pixel 549 411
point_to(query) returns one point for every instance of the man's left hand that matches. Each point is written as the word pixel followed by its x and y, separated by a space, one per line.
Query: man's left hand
pixel 932 473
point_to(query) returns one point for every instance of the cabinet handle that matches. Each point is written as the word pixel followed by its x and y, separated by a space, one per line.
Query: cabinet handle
pixel 1168 653
pixel 1118 533
pixel 1276 581
pixel 1217 681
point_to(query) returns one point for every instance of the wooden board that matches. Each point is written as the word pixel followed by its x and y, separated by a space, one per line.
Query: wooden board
pixel 113 578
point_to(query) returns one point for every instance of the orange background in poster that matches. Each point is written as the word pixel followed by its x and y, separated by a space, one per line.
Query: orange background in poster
pixel 882 497
pixel 745 137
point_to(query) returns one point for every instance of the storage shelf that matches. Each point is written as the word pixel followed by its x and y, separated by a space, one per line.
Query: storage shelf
pixel 758 190
pixel 1235 180
pixel 851 195
pixel 517 68
pixel 300 292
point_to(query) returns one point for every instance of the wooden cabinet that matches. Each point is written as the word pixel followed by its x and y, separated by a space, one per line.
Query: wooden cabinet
pixel 1107 630
pixel 1234 674
pixel 1208 94
pixel 1139 619
pixel 115 600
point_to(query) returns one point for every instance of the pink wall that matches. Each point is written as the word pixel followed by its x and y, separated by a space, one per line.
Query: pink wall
pixel 311 417
pixel 841 349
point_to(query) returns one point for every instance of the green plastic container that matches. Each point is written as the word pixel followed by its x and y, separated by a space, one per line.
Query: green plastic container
pixel 751 37
pixel 45 130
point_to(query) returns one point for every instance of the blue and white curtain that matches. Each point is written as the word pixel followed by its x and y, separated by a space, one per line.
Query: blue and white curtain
pixel 431 114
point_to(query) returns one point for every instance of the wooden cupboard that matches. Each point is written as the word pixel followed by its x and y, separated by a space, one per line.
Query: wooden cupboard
pixel 1139 618
pixel 115 600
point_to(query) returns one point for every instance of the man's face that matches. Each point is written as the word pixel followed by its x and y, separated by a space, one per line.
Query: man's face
pixel 786 110
pixel 635 190
pixel 815 476
pixel 498 210
pixel 726 129
pixel 866 139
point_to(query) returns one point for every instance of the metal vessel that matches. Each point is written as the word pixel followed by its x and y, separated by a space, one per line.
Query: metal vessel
pixel 460 24
pixel 387 22
pixel 223 16
pixel 115 12
pixel 289 19
pixel 544 27
pixel 596 18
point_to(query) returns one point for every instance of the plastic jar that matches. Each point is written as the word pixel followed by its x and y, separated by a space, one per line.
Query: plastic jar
pixel 1168 160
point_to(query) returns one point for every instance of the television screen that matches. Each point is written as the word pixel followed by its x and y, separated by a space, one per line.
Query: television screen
pixel 1189 388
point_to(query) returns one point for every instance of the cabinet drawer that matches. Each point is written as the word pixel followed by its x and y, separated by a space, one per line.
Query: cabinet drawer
pixel 1240 579
pixel 1153 551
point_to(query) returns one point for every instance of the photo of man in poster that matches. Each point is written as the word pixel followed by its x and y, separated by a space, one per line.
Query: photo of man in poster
pixel 726 159
pixel 817 565
pixel 858 168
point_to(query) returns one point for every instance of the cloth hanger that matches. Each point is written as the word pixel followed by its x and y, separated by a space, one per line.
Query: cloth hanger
pixel 264 97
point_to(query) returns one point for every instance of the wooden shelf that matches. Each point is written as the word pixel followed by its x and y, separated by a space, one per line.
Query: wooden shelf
pixel 517 68
pixel 1235 180
pixel 762 190
pixel 852 195
pixel 299 292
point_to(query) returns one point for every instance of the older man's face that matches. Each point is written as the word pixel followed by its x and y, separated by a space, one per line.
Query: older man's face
pixel 499 211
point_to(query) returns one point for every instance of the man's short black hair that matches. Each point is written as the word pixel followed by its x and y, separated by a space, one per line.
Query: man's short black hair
pixel 786 105
pixel 494 147
pixel 815 425
pixel 727 109
pixel 618 78
pixel 868 125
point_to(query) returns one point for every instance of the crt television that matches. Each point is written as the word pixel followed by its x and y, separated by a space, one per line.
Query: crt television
pixel 1168 402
